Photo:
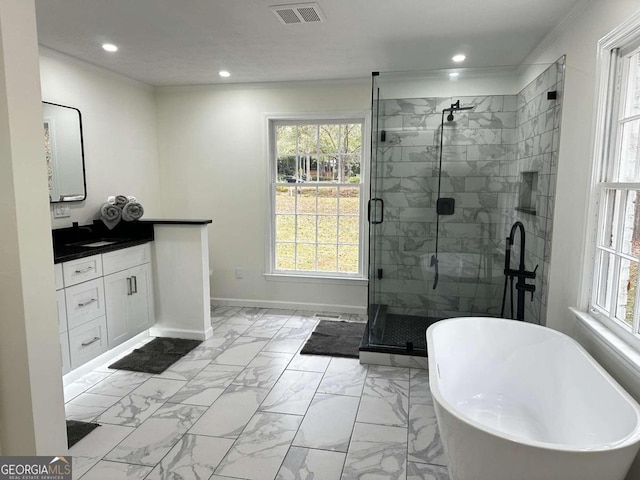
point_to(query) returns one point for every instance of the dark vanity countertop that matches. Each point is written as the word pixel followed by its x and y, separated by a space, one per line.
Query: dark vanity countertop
pixel 67 241
pixel 176 221
pixel 66 253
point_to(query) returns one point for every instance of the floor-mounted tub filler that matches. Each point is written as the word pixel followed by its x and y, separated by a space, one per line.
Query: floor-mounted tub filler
pixel 520 401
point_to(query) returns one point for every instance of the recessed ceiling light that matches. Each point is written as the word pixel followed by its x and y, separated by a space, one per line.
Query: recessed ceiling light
pixel 109 47
pixel 224 73
pixel 459 58
pixel 454 74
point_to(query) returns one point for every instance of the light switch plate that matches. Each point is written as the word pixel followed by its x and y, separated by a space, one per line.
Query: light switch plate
pixel 60 210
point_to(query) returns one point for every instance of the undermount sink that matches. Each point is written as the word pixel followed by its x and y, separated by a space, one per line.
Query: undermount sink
pixel 100 243
pixel 95 243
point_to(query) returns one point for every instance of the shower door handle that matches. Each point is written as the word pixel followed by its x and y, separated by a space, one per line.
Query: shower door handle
pixel 375 222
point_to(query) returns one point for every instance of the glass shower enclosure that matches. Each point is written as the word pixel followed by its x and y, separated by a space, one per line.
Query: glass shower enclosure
pixel 458 156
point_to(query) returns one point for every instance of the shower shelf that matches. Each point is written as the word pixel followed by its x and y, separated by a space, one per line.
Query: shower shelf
pixel 530 211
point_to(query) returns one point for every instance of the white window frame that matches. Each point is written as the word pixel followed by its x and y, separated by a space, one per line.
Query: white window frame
pixel 271 120
pixel 623 41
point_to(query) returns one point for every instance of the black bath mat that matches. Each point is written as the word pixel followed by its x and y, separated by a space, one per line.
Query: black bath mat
pixel 338 339
pixel 156 356
pixel 76 431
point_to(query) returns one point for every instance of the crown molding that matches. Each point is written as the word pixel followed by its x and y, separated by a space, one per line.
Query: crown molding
pixel 557 32
pixel 57 55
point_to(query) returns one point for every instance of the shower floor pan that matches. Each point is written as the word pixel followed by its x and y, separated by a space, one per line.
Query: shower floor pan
pixel 397 334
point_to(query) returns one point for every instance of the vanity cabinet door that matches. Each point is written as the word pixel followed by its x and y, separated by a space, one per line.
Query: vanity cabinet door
pixel 127 299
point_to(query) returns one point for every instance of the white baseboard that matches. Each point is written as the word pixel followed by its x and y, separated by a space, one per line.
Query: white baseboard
pixel 109 356
pixel 181 333
pixel 315 307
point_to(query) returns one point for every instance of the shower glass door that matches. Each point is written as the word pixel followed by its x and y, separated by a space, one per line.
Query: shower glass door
pixel 484 160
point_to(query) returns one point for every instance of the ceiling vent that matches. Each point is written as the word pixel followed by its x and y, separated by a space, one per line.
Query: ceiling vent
pixel 298 13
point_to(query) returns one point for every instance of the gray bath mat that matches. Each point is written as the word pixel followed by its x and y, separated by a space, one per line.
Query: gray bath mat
pixel 338 339
pixel 156 356
pixel 76 431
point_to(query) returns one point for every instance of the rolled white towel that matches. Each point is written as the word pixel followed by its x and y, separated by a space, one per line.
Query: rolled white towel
pixel 111 199
pixel 132 211
pixel 132 198
pixel 121 200
pixel 110 215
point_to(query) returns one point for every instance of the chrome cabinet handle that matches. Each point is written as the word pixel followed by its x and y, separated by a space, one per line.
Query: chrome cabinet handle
pixel 129 287
pixel 135 284
pixel 89 302
pixel 84 270
pixel 94 340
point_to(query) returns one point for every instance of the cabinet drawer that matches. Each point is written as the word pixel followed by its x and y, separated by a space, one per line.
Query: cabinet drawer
pixel 62 311
pixel 87 341
pixel 84 302
pixel 64 351
pixel 81 270
pixel 57 272
pixel 126 258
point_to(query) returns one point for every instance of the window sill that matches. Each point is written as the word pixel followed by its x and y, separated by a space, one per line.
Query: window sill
pixel 618 346
pixel 280 277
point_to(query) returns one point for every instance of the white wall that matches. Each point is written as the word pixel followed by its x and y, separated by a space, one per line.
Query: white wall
pixel 31 401
pixel 119 130
pixel 212 151
pixel 579 41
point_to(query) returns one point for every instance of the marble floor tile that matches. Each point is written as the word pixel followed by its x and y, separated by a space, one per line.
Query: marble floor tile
pixel 226 329
pixel 251 313
pixel 390 373
pixel 328 423
pixel 303 464
pixel 309 363
pixel 82 384
pixel 305 323
pixel 157 436
pixel 82 465
pixel 116 471
pixel 230 413
pixel 131 410
pixel 278 312
pixel 300 332
pixel 292 393
pixel 264 370
pixel 419 387
pixel 424 443
pixel 358 318
pixel 120 383
pixel 101 441
pixel 266 327
pixel 159 388
pixel 241 352
pixel 344 376
pixel 423 471
pixel 224 311
pixel 284 345
pixel 376 451
pixel 87 406
pixel 184 369
pixel 384 402
pixel 207 386
pixel 194 457
pixel 260 450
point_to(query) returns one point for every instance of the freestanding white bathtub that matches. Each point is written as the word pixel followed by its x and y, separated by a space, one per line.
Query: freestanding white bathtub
pixel 516 401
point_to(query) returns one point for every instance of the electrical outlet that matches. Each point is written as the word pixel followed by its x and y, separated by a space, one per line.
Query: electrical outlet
pixel 239 272
pixel 60 210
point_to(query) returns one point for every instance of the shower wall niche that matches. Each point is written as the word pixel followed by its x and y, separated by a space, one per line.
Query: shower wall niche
pixel 487 152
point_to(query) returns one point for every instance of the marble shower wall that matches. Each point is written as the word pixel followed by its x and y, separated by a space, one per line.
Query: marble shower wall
pixel 485 152
pixel 538 139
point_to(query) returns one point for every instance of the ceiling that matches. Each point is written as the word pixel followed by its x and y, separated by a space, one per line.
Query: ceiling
pixel 186 42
